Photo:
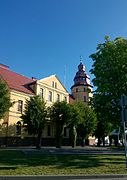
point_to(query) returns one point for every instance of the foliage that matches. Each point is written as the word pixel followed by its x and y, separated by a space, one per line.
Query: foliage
pixel 110 71
pixel 74 120
pixel 5 103
pixel 59 114
pixel 88 122
pixel 35 117
pixel 104 126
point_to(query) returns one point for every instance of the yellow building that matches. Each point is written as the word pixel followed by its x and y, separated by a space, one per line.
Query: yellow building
pixel 22 88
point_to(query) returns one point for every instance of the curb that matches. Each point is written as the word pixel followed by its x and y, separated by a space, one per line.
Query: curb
pixel 107 176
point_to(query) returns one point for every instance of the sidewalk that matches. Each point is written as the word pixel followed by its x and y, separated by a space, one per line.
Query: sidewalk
pixel 67 150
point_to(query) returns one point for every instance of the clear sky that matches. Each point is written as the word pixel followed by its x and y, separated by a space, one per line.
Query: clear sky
pixel 43 37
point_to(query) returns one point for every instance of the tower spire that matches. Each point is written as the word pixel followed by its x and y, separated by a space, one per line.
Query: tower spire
pixel 80 59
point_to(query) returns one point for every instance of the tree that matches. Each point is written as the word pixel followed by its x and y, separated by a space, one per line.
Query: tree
pixel 88 121
pixel 34 116
pixel 74 120
pixel 5 103
pixel 59 114
pixel 104 126
pixel 110 71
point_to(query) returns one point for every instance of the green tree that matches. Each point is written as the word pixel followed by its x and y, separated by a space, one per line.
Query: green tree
pixel 88 123
pixel 34 116
pixel 59 114
pixel 110 71
pixel 104 126
pixel 74 120
pixel 5 103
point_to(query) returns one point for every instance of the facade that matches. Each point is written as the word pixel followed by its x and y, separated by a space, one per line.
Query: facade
pixel 22 88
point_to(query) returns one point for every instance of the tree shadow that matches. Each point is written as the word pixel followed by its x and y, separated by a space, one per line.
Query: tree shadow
pixel 18 158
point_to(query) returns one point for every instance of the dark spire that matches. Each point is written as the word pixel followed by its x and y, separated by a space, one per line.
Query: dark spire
pixel 81 78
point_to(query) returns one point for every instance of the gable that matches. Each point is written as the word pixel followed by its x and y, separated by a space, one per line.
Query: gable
pixel 54 82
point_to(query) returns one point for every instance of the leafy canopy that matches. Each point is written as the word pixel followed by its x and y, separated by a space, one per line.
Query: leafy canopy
pixel 110 71
pixel 5 103
pixel 35 114
pixel 88 120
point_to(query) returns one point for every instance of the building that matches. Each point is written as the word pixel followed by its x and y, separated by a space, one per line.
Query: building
pixel 22 88
pixel 82 89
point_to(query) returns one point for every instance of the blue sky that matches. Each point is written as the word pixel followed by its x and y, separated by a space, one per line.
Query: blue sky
pixel 44 37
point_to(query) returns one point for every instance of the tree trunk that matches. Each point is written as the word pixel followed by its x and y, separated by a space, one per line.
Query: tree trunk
pixel 38 145
pixel 73 136
pixel 59 136
pixel 99 142
pixel 103 139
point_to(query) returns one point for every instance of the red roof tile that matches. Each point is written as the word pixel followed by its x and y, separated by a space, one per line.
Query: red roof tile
pixel 16 81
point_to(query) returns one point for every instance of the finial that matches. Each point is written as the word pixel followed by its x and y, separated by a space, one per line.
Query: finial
pixel 80 59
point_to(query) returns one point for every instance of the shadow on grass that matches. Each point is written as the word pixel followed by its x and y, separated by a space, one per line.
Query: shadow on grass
pixel 18 158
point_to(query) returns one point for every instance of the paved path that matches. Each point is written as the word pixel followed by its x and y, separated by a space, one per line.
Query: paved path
pixel 68 150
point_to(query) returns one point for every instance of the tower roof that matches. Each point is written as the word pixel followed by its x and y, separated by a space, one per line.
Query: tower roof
pixel 81 77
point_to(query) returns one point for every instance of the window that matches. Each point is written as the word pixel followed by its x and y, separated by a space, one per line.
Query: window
pixel 50 96
pixel 84 89
pixel 49 130
pixel 55 85
pixel 65 98
pixel 20 106
pixel 18 128
pixel 58 97
pixel 84 98
pixel 76 89
pixel 41 92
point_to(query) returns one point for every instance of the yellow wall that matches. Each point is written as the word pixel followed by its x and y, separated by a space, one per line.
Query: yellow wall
pixel 14 115
pixel 46 84
pixel 79 95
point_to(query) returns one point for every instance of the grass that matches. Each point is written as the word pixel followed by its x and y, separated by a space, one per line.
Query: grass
pixel 18 163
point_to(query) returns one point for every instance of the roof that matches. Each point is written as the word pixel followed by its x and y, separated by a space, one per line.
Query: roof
pixel 16 81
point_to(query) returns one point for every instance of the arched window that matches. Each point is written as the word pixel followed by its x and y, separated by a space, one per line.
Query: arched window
pixel 18 128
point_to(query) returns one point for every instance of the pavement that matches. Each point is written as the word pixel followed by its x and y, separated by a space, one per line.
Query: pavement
pixel 68 150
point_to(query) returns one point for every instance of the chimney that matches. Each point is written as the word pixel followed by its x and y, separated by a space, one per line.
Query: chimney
pixel 33 78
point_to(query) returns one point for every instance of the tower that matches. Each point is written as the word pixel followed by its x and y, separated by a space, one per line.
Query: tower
pixel 82 89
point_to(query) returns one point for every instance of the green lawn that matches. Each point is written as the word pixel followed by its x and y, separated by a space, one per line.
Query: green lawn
pixel 18 163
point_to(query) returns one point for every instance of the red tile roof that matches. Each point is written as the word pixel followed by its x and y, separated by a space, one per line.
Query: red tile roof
pixel 16 81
